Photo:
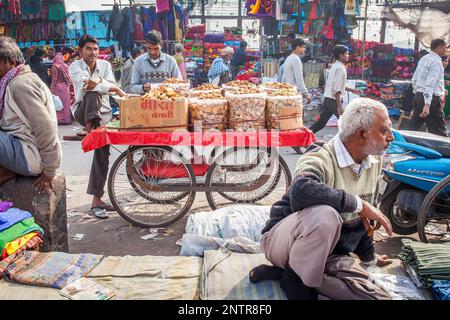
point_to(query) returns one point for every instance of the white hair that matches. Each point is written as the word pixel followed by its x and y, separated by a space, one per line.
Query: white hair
pixel 360 113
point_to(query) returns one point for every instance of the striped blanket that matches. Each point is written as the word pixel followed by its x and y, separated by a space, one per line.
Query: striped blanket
pixel 51 269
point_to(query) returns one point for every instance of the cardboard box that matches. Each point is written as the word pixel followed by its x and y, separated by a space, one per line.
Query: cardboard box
pixel 294 119
pixel 153 115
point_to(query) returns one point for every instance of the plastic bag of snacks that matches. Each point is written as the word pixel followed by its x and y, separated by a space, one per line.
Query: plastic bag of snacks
pixel 247 108
pixel 284 110
pixel 236 84
pixel 212 112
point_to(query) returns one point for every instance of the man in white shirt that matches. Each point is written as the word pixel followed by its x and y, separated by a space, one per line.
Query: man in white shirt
pixel 93 79
pixel 428 86
pixel 335 88
pixel 292 72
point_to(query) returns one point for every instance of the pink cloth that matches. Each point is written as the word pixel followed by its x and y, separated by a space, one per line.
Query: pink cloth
pixel 60 87
pixel 4 81
pixel 162 6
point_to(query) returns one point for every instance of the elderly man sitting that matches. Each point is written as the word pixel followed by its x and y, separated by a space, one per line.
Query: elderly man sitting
pixel 29 142
pixel 327 211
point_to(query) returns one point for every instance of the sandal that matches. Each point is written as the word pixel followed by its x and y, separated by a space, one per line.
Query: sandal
pixel 99 212
pixel 107 207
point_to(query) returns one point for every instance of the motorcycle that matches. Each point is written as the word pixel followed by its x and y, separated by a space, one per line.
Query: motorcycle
pixel 415 164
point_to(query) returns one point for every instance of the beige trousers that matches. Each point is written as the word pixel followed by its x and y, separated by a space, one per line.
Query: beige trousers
pixel 305 240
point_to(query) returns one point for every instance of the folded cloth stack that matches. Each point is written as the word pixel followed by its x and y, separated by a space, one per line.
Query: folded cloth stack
pixel 430 261
pixel 17 230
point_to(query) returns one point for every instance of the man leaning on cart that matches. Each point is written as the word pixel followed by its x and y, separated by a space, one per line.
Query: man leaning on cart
pixel 93 80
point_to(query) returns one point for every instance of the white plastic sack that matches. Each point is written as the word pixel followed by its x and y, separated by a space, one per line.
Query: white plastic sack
pixel 58 103
pixel 399 287
pixel 230 222
pixel 195 245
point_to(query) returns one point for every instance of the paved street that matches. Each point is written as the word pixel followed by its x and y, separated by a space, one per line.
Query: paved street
pixel 115 236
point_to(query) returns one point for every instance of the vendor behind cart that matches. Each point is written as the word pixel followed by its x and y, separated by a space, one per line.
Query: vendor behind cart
pixel 153 67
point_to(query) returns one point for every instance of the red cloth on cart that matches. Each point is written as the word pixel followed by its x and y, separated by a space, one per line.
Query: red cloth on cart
pixel 102 137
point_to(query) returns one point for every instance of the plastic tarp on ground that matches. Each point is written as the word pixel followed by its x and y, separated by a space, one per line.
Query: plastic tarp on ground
pixel 225 277
pixel 237 228
pixel 145 277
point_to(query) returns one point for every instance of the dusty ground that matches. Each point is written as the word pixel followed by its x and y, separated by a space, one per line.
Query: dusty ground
pixel 115 236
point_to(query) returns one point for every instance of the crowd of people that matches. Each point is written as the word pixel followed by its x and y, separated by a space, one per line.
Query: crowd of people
pixel 326 213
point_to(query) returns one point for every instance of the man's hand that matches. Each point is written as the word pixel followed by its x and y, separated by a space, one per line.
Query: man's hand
pixel 426 111
pixel 91 84
pixel 308 98
pixel 355 91
pixel 340 109
pixel 369 212
pixel 43 183
pixel 147 87
pixel 119 92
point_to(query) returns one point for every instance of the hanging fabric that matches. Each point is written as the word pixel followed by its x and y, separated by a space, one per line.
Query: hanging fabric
pixel 162 6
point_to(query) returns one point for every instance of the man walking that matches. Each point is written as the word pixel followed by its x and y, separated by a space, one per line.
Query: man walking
pixel 335 88
pixel 293 68
pixel 429 89
pixel 93 79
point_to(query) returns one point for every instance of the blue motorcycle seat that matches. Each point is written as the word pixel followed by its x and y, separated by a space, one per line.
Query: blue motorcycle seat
pixel 432 141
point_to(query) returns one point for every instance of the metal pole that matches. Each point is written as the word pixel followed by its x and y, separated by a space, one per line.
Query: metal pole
pixel 364 40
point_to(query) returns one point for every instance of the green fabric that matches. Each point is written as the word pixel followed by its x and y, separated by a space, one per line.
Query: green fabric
pixel 430 261
pixel 19 229
pixel 447 99
pixel 56 11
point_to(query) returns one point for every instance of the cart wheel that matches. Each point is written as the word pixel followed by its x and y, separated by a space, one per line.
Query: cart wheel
pixel 298 150
pixel 157 167
pixel 247 166
pixel 434 215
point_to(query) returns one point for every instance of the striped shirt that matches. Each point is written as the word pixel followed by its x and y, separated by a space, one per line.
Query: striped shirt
pixel 429 77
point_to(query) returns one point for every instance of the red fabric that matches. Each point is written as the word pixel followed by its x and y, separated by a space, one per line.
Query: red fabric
pixel 313 12
pixel 102 137
pixel 14 7
pixel 168 170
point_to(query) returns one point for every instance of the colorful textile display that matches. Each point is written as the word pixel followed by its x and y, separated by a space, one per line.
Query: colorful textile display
pixel 17 230
pixel 16 244
pixel 33 244
pixel 441 289
pixel 11 217
pixel 5 205
pixel 51 269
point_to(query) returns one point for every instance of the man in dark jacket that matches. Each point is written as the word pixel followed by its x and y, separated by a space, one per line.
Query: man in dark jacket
pixel 238 59
pixel 38 66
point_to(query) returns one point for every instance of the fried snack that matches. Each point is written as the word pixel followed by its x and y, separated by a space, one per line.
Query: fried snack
pixel 245 90
pixel 207 94
pixel 162 93
pixel 174 81
pixel 206 86
pixel 240 84
pixel 282 92
pixel 277 85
